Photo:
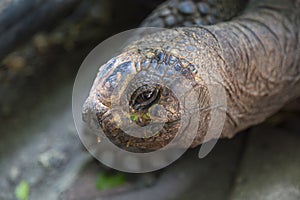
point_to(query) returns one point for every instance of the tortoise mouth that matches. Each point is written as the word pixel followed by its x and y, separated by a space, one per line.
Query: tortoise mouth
pixel 145 144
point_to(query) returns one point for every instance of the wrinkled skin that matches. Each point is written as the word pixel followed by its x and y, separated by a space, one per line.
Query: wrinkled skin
pixel 255 57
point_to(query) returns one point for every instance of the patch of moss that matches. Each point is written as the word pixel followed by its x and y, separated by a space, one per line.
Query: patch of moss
pixel 22 190
pixel 105 181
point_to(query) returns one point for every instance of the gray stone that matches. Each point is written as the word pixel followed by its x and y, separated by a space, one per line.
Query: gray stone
pixel 270 168
pixel 187 178
pixel 47 128
pixel 14 174
pixel 52 158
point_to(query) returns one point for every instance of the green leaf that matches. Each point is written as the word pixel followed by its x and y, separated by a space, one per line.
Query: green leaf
pixel 22 190
pixel 134 117
pixel 109 181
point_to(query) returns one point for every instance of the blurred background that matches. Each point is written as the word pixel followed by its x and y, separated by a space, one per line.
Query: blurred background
pixel 42 45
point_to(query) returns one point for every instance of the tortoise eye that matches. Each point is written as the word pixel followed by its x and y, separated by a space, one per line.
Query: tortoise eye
pixel 144 97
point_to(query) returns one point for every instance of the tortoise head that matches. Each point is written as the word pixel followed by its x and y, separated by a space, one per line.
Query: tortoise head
pixel 137 98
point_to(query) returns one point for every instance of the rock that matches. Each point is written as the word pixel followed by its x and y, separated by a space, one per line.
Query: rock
pixel 52 158
pixel 14 174
pixel 270 167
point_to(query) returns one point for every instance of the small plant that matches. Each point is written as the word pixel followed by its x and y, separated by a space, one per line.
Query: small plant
pixel 105 181
pixel 22 190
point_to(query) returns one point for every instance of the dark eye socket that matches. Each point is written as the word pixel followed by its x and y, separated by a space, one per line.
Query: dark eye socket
pixel 144 97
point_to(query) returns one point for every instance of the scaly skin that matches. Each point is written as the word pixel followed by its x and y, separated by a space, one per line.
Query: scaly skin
pixel 254 57
pixel 179 13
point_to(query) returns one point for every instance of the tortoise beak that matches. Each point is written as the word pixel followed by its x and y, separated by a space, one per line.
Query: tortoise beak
pixel 92 111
